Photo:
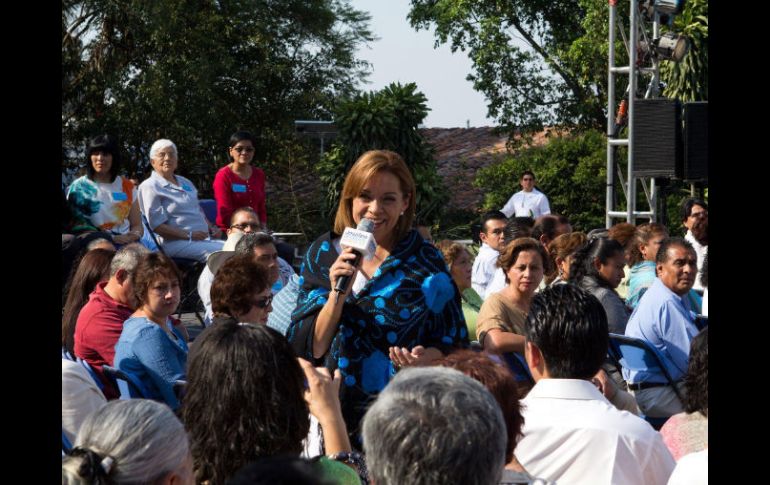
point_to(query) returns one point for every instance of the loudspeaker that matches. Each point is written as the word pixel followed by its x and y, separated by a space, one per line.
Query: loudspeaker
pixel 695 167
pixel 657 143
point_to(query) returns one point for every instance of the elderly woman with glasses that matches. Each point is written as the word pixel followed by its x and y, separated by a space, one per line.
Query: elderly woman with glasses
pixel 150 347
pixel 239 184
pixel 170 203
pixel 241 291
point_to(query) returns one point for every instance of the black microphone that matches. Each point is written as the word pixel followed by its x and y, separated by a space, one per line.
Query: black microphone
pixel 363 244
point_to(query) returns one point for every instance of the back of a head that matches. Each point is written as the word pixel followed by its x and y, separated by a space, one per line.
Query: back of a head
pixel 622 232
pixel 517 227
pixel 434 425
pixel 547 226
pixel 127 442
pixel 278 470
pixel 259 398
pixel 127 258
pixel 498 380
pixel 697 379
pixel 569 326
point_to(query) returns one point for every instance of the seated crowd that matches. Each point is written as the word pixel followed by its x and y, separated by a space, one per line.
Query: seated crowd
pixel 514 381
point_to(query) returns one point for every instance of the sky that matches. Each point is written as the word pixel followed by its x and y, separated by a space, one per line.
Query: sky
pixel 401 54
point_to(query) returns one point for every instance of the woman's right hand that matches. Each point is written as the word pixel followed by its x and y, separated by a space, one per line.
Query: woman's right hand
pixel 343 267
pixel 323 393
pixel 199 235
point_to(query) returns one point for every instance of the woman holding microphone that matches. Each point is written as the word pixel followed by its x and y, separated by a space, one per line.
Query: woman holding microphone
pixel 402 297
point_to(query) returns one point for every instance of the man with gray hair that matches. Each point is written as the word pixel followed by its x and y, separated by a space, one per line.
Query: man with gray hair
pixel 100 322
pixel 434 425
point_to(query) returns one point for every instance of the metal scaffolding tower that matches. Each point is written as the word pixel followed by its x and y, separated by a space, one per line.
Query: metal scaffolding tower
pixel 633 70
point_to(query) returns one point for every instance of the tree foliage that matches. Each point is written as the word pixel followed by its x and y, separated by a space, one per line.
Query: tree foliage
pixel 544 63
pixel 386 119
pixel 195 72
pixel 571 170
pixel 688 79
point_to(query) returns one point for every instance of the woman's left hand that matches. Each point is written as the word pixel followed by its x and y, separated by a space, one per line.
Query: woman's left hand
pixel 418 356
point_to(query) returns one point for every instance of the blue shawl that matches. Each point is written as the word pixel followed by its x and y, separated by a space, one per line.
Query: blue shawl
pixel 410 300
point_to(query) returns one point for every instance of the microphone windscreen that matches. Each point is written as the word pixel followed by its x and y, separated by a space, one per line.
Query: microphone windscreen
pixel 366 225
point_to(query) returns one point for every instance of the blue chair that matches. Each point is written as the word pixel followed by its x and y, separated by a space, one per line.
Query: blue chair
pixel 209 208
pixel 93 373
pixel 515 362
pixel 639 355
pixel 66 446
pixel 129 385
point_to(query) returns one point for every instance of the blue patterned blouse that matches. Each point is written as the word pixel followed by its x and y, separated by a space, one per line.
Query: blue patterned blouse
pixel 410 300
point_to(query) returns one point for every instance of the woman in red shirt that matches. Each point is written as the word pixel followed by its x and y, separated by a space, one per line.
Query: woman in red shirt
pixel 239 184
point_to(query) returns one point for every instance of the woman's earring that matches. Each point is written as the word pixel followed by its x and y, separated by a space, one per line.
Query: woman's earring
pixel 402 213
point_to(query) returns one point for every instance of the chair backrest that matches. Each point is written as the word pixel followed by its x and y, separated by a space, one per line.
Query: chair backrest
pixel 639 355
pixel 129 385
pixel 93 373
pixel 149 239
pixel 209 208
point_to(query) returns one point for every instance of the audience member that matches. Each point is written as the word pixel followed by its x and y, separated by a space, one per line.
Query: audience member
pixel 695 218
pixel 103 201
pixel 572 434
pixel 687 432
pixel 647 240
pixel 239 183
pixel 100 321
pixel 127 442
pixel 665 319
pixel 284 304
pixel 458 260
pixel 101 243
pixel 704 280
pixel 150 347
pixel 598 268
pixel 93 268
pixel 561 251
pixel 515 228
pixel 491 235
pixel 434 425
pixel 692 469
pixel 80 396
pixel 241 291
pixel 170 203
pixel 246 386
pixel 623 233
pixel 529 202
pixel 499 381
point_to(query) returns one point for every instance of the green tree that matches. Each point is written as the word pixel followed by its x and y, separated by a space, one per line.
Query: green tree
pixel 195 72
pixel 688 79
pixel 386 119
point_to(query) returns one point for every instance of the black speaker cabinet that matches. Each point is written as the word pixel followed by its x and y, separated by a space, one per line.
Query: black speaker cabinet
pixel 695 166
pixel 657 144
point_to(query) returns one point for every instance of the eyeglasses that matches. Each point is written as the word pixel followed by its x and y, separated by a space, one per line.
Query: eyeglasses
pixel 251 225
pixel 243 149
pixel 528 180
pixel 263 302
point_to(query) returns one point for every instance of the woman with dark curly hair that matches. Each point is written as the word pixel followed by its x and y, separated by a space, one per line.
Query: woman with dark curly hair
pixel 245 399
pixel 150 346
pixel 241 291
pixel 687 432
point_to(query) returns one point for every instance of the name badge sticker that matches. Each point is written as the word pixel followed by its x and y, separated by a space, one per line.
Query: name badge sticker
pixel 119 196
pixel 239 188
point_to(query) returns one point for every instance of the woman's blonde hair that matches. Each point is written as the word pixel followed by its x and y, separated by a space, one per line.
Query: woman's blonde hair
pixel 367 165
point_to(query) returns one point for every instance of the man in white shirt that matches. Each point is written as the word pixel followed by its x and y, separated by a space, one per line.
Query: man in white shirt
pixel 529 202
pixel 695 217
pixel 485 264
pixel 571 433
